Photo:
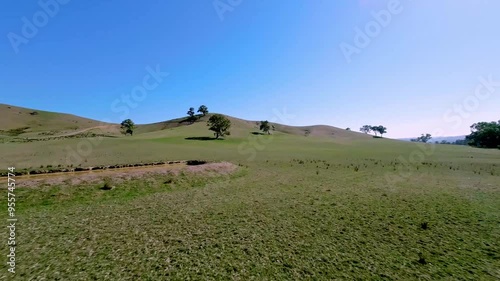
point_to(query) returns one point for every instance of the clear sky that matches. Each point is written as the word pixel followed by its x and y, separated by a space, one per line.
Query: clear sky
pixel 415 68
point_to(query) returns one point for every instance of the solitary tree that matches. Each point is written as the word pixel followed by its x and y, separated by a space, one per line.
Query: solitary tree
pixel 127 127
pixel 220 125
pixel 265 127
pixel 347 129
pixel 423 138
pixel 203 110
pixel 365 129
pixel 191 113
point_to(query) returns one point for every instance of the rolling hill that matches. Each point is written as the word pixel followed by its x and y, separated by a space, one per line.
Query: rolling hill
pixel 22 121
pixel 33 123
pixel 333 205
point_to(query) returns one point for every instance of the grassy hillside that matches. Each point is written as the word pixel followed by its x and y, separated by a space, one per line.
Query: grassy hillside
pixel 334 205
pixel 13 117
pixel 182 140
pixel 31 123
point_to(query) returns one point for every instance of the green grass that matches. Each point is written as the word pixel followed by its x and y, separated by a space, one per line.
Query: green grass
pixel 311 207
pixel 13 118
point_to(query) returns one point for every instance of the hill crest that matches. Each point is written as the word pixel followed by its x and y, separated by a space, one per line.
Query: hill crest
pixel 26 122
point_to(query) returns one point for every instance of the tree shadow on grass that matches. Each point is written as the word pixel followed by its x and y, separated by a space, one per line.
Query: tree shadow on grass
pixel 258 133
pixel 202 138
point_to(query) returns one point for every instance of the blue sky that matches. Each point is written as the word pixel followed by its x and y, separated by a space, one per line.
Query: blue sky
pixel 419 72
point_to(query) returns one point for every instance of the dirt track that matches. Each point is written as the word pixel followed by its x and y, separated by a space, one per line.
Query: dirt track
pixel 121 174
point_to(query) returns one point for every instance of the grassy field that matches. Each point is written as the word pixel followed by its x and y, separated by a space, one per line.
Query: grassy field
pixel 335 205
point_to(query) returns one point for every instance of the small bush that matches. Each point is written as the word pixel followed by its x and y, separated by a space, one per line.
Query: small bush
pixel 16 132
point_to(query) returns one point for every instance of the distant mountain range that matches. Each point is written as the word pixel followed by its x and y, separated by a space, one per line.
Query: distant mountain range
pixel 439 139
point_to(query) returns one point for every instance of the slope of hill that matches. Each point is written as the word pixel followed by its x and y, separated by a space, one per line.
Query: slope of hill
pixel 24 121
pixel 31 123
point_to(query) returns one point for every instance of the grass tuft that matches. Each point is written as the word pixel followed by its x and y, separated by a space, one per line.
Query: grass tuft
pixel 424 225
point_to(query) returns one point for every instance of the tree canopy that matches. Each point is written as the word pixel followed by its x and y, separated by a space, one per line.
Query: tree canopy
pixel 220 125
pixel 191 114
pixel 376 129
pixel 365 129
pixel 485 135
pixel 423 138
pixel 127 127
pixel 380 129
pixel 203 110
pixel 265 127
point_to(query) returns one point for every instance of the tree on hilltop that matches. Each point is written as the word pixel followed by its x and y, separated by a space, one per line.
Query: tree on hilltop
pixel 203 110
pixel 191 115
